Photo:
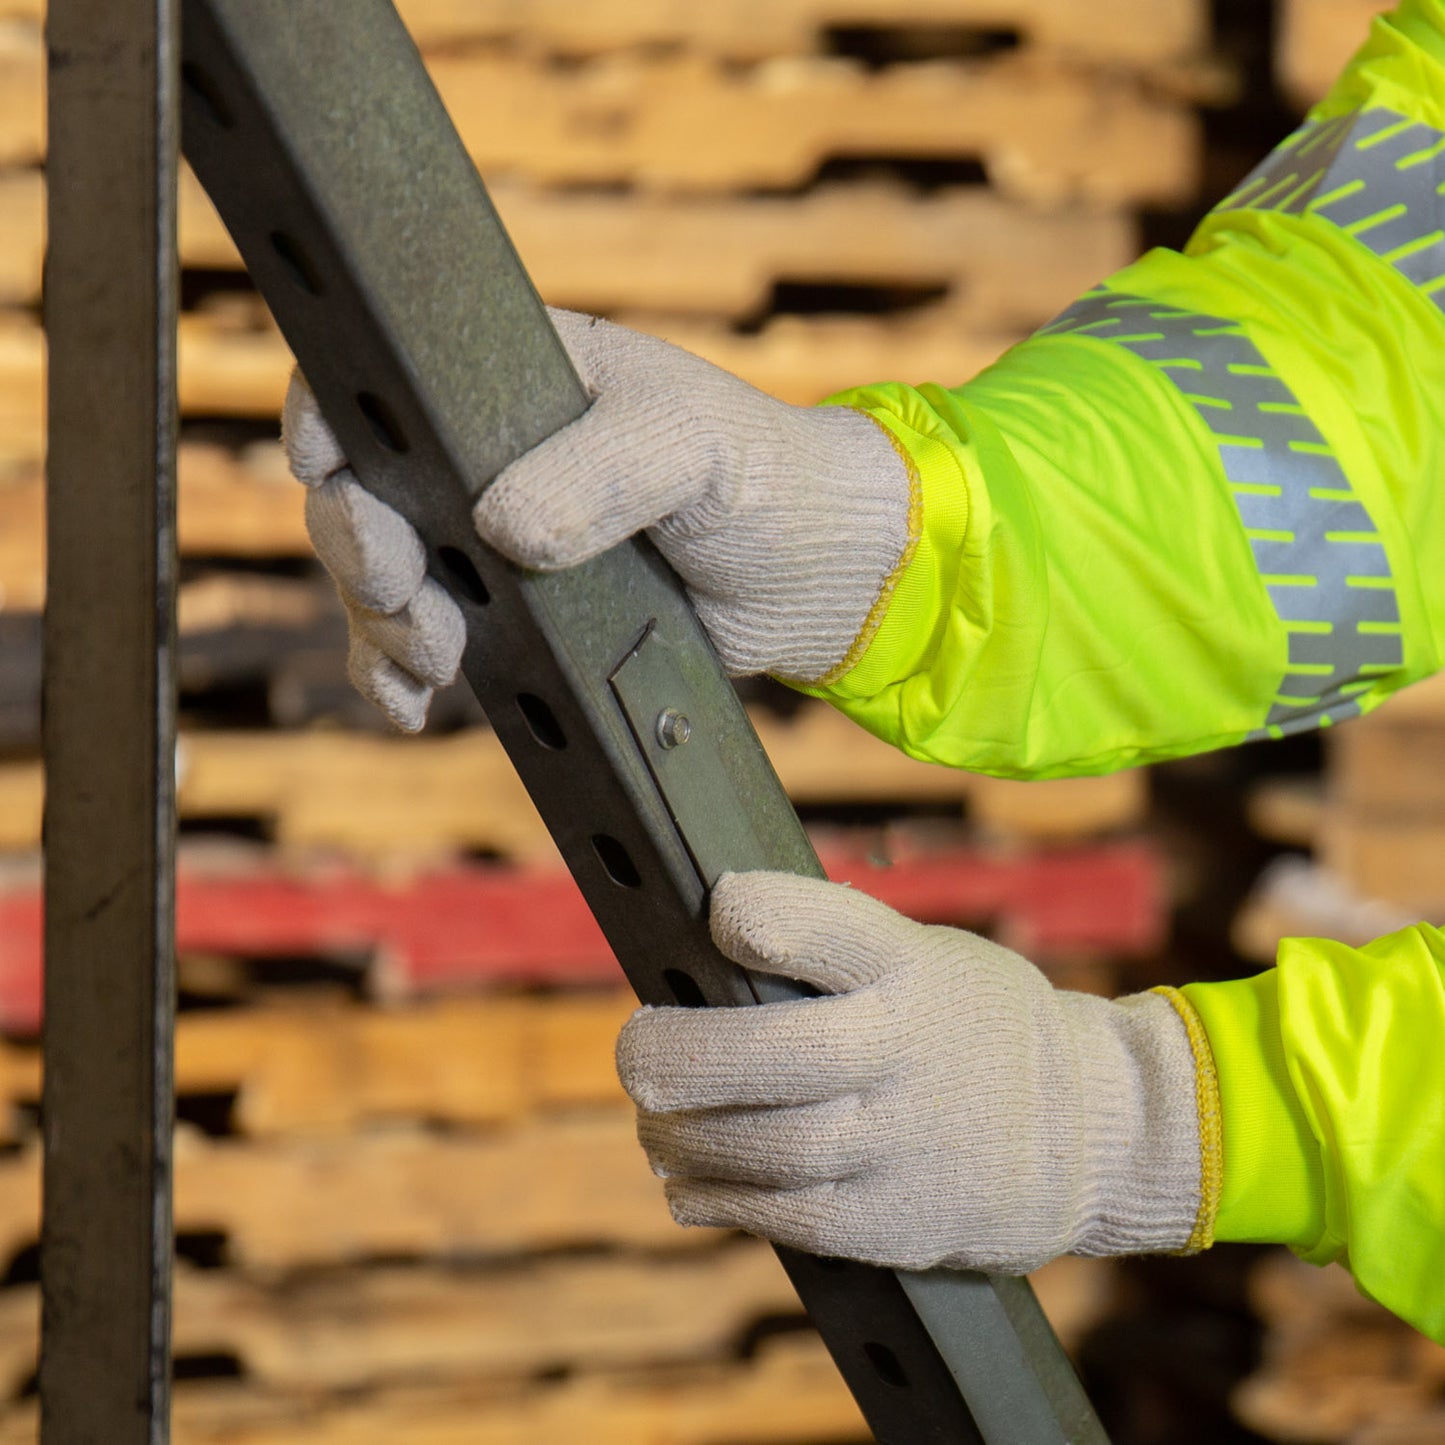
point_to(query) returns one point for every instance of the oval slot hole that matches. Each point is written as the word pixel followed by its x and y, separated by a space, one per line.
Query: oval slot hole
pixel 614 858
pixel 543 724
pixel 203 91
pixel 463 572
pixel 297 262
pixel 684 988
pixel 885 1364
pixel 382 423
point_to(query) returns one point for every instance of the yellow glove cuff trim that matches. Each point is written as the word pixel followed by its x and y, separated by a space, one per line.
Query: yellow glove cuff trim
pixel 1211 1135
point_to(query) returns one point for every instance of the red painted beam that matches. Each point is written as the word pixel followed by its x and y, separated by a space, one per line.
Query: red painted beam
pixel 476 923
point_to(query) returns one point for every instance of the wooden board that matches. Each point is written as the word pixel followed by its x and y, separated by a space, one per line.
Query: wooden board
pixel 312 1067
pixel 420 797
pixel 1334 1362
pixel 1042 129
pixel 240 369
pixel 433 929
pixel 231 505
pixel 789 1392
pixel 1297 898
pixel 1287 809
pixel 1004 264
pixel 1132 32
pixel 548 1183
pixel 1388 857
pixel 646 1350
pixel 22 90
pixel 1125 32
pixel 348 1329
pixel 1386 765
pixel 1316 38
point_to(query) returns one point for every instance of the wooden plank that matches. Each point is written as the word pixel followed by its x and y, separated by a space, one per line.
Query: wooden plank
pixel 240 369
pixel 1316 38
pixel 1124 32
pixel 1389 766
pixel 355 1328
pixel 460 926
pixel 22 387
pixel 788 1390
pixel 1334 1361
pixel 1388 857
pixel 231 505
pixel 22 233
pixel 1287 809
pixel 1043 130
pixel 404 1193
pixel 22 90
pixel 1297 898
pixel 1127 32
pixel 430 796
pixel 1005 264
pixel 310 1067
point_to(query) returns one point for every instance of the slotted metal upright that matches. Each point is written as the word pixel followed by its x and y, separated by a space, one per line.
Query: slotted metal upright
pixel 321 140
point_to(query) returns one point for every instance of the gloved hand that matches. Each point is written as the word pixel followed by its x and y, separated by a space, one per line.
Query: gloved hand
pixel 946 1105
pixel 786 523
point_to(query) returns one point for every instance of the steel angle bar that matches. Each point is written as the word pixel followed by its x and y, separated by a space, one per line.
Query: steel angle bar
pixel 109 721
pixel 316 131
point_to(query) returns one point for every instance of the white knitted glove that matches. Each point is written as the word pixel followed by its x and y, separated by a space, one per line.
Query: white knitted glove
pixel 786 523
pixel 948 1106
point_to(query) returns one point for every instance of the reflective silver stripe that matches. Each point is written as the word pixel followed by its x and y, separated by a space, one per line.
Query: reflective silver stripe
pixel 1376 174
pixel 1316 547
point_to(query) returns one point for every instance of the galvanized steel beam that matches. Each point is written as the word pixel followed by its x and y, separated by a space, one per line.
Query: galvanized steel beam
pixel 109 721
pixel 322 142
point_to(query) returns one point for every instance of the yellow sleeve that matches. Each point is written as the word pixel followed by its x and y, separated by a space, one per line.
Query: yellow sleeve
pixel 1331 1071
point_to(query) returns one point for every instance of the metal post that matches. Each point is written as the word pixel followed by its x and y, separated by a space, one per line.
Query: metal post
pixel 327 152
pixel 110 302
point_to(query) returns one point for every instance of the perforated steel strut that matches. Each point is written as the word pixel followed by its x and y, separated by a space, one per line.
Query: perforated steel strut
pixel 316 131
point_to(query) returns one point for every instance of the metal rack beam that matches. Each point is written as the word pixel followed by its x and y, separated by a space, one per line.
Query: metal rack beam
pixel 109 721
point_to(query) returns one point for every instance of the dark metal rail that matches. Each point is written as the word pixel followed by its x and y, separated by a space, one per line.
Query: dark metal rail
pixel 109 722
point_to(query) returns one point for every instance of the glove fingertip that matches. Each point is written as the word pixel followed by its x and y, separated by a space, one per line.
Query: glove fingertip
pixel 312 451
pixel 534 535
pixel 403 698
pixel 688 1206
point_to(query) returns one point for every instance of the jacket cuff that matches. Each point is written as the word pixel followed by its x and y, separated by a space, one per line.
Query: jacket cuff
pixel 1273 1187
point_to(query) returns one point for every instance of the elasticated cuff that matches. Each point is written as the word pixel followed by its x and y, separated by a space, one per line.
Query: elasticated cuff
pixel 1273 1188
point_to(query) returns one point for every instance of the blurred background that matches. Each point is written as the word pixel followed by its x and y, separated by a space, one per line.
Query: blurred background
pixel 409 1202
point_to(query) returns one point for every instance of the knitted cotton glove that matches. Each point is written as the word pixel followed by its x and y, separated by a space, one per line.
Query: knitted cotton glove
pixel 786 523
pixel 945 1105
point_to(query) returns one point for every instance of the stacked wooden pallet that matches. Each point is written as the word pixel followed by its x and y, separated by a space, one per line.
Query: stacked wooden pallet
pixel 1316 38
pixel 1337 1367
pixel 408 1199
pixel 685 174
pixel 1373 825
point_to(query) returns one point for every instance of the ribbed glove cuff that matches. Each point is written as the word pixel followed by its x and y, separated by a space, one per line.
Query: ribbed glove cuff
pixel 1142 1189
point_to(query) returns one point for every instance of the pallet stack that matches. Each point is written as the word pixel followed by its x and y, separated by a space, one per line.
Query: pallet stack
pixel 408 1199
pixel 1337 1367
pixel 1366 836
pixel 1316 38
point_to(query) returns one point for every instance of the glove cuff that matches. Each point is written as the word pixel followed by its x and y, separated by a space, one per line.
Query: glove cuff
pixel 1144 1181
pixel 839 533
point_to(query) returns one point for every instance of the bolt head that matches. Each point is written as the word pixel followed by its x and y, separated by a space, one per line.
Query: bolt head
pixel 673 729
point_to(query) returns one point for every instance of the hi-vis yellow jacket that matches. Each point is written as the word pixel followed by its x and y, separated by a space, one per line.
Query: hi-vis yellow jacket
pixel 1205 505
